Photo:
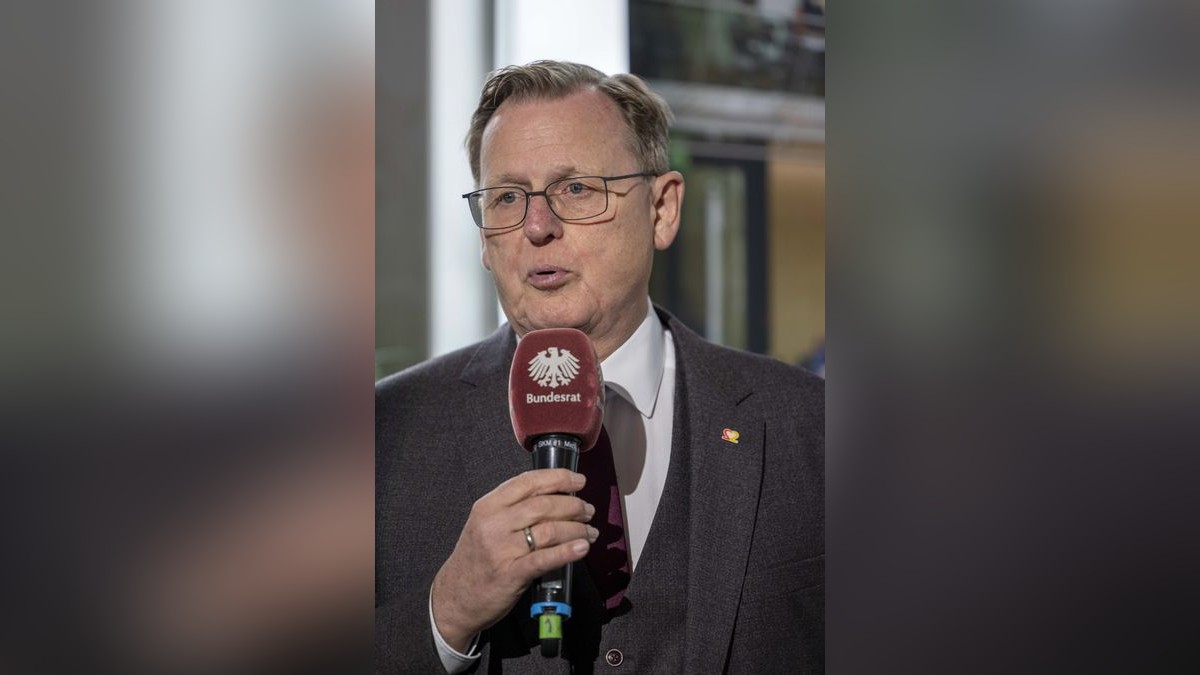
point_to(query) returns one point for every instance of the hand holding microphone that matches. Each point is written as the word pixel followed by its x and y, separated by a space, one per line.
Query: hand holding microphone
pixel 491 566
pixel 556 404
pixel 556 399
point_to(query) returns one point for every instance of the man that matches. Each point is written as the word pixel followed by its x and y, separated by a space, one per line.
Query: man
pixel 718 560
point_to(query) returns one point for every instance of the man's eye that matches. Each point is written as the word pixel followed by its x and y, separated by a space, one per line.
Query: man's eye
pixel 507 198
pixel 577 188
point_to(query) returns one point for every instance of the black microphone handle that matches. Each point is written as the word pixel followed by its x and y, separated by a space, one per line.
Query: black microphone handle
pixel 556 451
pixel 553 589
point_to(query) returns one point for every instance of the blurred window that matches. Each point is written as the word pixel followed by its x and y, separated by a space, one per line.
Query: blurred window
pixel 776 46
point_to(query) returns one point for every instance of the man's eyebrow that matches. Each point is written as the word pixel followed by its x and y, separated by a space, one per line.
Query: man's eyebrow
pixel 507 179
pixel 566 172
pixel 520 181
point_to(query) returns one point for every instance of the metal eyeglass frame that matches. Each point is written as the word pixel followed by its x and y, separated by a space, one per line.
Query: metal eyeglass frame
pixel 542 193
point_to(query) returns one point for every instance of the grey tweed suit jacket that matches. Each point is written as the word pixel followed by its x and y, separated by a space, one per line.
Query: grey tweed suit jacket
pixel 732 575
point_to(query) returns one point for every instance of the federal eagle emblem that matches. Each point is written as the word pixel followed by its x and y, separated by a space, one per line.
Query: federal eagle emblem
pixel 553 367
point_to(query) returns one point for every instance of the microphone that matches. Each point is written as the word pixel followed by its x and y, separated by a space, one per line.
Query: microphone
pixel 556 401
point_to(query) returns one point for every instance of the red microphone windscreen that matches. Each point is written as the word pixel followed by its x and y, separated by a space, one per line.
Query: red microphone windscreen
pixel 555 386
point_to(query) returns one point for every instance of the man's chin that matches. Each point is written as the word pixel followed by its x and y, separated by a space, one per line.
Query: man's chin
pixel 538 320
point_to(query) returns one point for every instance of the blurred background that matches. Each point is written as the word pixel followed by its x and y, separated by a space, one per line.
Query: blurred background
pixel 186 447
pixel 746 82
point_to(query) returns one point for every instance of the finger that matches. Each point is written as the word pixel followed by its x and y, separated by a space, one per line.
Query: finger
pixel 534 565
pixel 550 507
pixel 538 482
pixel 551 534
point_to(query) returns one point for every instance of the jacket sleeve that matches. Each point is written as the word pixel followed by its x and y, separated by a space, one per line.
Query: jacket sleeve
pixel 419 511
pixel 403 636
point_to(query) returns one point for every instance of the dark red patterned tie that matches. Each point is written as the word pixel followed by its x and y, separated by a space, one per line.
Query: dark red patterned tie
pixel 608 559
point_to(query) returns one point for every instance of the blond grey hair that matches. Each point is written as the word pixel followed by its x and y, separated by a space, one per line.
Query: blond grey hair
pixel 646 114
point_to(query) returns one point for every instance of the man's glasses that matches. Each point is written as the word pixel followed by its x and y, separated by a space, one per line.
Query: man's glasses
pixel 570 199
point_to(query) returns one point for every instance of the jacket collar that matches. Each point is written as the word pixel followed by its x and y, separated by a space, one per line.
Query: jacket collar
pixel 725 480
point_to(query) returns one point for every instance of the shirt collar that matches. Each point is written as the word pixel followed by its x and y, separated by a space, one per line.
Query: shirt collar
pixel 635 370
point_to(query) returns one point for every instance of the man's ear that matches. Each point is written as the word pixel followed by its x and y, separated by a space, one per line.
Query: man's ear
pixel 668 200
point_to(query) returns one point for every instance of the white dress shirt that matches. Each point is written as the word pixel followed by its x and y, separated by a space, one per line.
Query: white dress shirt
pixel 639 420
pixel 639 414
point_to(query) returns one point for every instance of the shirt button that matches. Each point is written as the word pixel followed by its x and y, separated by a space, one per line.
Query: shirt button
pixel 614 657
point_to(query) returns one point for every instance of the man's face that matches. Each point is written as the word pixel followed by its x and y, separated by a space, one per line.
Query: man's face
pixel 592 275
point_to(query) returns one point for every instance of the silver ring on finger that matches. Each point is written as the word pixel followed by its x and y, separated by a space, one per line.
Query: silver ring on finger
pixel 529 540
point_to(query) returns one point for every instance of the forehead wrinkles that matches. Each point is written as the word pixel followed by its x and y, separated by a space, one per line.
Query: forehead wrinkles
pixel 584 129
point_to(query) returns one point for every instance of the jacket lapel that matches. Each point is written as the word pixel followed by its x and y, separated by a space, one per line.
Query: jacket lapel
pixel 725 481
pixel 490 452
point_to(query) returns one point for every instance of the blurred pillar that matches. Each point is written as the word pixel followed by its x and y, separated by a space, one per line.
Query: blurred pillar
pixel 714 264
pixel 461 298
pixel 402 260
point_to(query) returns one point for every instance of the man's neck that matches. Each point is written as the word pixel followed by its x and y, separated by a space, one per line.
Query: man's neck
pixel 607 344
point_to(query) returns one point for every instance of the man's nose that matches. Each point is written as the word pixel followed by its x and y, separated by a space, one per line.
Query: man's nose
pixel 541 225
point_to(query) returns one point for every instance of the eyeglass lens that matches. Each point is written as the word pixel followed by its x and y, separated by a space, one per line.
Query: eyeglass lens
pixel 570 199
